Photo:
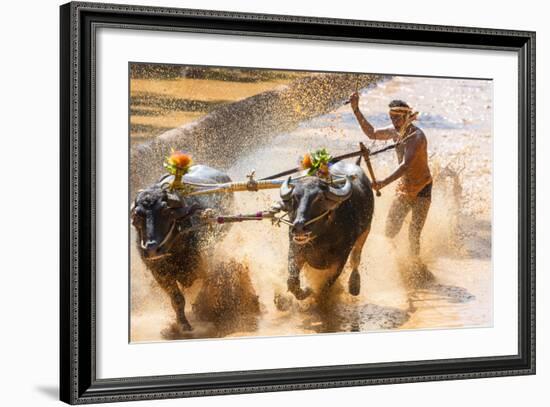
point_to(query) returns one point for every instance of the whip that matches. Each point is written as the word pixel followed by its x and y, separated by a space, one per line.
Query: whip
pixel 358 153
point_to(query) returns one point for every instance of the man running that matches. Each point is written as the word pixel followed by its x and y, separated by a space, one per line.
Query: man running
pixel 414 189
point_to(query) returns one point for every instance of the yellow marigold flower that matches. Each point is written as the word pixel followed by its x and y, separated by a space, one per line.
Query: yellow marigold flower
pixel 323 170
pixel 179 159
pixel 306 161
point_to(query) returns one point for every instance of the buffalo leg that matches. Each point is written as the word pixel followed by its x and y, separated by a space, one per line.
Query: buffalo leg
pixel 332 279
pixel 295 264
pixel 193 270
pixel 354 282
pixel 178 303
pixel 170 287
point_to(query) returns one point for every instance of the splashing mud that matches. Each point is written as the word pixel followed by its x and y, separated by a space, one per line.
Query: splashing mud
pixel 248 275
pixel 219 138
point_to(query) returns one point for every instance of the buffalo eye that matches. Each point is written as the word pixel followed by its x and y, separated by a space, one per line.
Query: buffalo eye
pixel 138 211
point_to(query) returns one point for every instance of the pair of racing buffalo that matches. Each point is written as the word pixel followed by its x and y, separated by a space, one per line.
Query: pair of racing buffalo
pixel 329 224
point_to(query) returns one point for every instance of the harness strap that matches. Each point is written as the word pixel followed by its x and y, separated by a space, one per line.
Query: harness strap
pixel 166 238
pixel 321 216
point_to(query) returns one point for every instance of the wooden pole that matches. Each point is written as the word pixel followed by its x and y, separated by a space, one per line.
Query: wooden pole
pixel 366 156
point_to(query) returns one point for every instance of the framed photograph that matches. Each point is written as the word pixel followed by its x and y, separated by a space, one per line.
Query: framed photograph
pixel 254 203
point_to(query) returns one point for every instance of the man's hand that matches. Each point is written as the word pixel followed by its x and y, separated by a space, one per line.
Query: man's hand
pixel 354 101
pixel 378 185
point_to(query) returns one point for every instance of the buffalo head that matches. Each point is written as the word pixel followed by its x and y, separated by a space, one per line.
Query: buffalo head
pixel 155 214
pixel 309 202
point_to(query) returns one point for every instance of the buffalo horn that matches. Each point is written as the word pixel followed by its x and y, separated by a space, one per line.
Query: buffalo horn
pixel 286 190
pixel 340 194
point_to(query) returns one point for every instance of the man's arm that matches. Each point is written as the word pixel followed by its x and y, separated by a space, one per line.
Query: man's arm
pixel 411 148
pixel 386 133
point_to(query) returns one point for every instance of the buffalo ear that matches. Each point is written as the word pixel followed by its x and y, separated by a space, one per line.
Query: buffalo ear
pixel 185 211
pixel 134 202
pixel 173 200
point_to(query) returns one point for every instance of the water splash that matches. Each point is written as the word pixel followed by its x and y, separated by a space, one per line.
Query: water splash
pixel 219 138
pixel 456 244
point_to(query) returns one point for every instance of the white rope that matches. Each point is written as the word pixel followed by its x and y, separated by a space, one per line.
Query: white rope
pixel 309 222
pixel 166 238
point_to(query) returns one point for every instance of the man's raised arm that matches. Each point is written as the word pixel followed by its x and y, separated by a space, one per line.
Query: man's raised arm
pixel 386 133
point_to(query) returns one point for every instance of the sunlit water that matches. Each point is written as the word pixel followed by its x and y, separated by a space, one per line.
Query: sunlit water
pixel 456 116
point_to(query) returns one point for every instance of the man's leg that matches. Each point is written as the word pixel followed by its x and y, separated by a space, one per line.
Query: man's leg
pixel 420 210
pixel 420 275
pixel 399 209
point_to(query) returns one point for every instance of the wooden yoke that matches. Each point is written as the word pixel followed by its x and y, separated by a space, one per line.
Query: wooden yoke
pixel 365 153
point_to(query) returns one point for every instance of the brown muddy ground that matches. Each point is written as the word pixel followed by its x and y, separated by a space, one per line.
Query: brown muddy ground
pixel 249 298
pixel 164 100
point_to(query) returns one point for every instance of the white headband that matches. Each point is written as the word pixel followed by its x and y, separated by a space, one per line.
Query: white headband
pixel 400 109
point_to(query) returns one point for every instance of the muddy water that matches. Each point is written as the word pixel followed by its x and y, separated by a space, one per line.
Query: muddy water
pixel 456 116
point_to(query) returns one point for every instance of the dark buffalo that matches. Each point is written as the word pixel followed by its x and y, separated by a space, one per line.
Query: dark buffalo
pixel 328 223
pixel 172 254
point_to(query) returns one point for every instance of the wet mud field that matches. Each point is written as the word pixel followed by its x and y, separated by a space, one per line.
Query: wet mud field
pixel 244 293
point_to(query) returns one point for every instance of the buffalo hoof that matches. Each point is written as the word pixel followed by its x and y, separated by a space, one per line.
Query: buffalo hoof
pixel 185 326
pixel 283 302
pixel 354 283
pixel 294 287
pixel 302 294
pixel 175 331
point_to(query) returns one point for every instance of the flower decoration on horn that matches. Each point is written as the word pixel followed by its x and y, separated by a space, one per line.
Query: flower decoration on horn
pixel 177 164
pixel 317 163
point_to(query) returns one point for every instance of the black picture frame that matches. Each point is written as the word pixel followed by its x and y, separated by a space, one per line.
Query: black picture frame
pixel 78 382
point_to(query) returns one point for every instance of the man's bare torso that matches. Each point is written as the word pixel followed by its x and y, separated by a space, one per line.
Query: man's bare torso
pixel 417 175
